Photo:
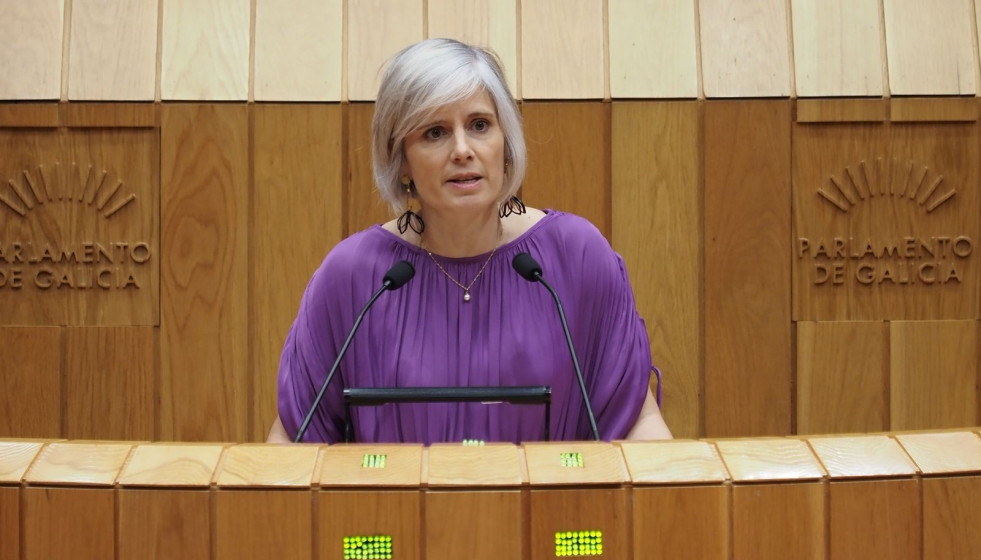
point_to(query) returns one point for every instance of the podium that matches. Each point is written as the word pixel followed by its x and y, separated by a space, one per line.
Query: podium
pixel 861 496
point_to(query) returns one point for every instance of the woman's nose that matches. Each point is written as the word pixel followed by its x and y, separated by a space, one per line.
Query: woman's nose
pixel 461 145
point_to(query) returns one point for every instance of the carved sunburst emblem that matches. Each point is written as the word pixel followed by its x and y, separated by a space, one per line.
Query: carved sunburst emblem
pixel 911 182
pixel 42 186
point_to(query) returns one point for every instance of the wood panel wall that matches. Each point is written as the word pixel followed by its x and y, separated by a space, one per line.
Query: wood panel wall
pixel 705 140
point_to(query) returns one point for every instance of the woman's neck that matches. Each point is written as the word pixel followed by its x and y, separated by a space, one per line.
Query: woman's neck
pixel 461 235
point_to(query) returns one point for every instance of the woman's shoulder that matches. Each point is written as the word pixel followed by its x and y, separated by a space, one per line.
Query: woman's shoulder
pixel 566 228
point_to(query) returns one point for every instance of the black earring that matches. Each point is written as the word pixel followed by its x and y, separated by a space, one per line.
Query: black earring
pixel 512 205
pixel 410 219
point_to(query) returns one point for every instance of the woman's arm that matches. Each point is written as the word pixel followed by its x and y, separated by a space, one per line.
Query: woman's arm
pixel 649 424
pixel 277 433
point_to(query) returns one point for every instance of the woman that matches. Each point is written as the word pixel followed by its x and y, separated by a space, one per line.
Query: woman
pixel 449 156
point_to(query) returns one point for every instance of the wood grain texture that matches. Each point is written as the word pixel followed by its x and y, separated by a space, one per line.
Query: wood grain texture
pixel 656 221
pixel 933 109
pixel 842 377
pixel 837 48
pixel 15 458
pixel 451 531
pixel 204 274
pixel 80 204
pixel 30 54
pixel 205 50
pixel 746 270
pixel 173 465
pixel 950 513
pixel 486 23
pixel 862 456
pixel 9 523
pixel 110 115
pixel 602 463
pixel 365 206
pixel 78 463
pixel 32 372
pixel 249 524
pixel 67 523
pixel 769 459
pixel 673 462
pixel 943 452
pixel 343 466
pixel 934 374
pixel 396 513
pixel 376 30
pixel 113 50
pixel 930 51
pixel 298 46
pixel 164 524
pixel 562 44
pixel 681 522
pixel 298 162
pixel 569 159
pixel 268 465
pixel 875 519
pixel 652 49
pixel 745 48
pixel 109 379
pixel 842 110
pixel 29 115
pixel 779 521
pixel 482 466
pixel 598 509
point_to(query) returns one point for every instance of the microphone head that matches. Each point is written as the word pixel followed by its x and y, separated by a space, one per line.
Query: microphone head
pixel 398 275
pixel 527 267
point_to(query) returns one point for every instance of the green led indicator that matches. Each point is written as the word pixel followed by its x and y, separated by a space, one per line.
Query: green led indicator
pixel 473 442
pixel 367 547
pixel 571 459
pixel 578 543
pixel 373 461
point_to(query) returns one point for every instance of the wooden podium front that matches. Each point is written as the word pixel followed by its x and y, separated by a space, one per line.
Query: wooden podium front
pixel 857 496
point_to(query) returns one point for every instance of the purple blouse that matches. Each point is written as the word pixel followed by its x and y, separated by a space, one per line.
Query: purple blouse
pixel 508 334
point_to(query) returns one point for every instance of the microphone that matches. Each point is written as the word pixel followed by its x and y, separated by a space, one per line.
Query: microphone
pixel 395 278
pixel 530 270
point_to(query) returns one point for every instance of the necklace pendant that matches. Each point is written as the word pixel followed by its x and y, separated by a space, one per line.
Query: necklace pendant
pixel 466 295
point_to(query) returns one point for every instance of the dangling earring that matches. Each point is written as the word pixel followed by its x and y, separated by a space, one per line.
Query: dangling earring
pixel 510 206
pixel 410 219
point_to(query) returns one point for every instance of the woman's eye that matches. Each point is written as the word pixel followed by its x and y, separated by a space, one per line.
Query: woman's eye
pixel 434 133
pixel 481 125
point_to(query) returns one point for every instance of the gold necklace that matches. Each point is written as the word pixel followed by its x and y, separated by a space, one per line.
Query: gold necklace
pixel 466 289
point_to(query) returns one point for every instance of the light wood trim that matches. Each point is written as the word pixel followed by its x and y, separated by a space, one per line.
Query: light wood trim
pixel 455 465
pixel 930 50
pixel 113 50
pixel 268 465
pixel 375 32
pixel 652 49
pixel 15 458
pixel 761 460
pixel 745 48
pixel 836 48
pixel 77 463
pixel 31 57
pixel 943 452
pixel 673 462
pixel 862 456
pixel 342 466
pixel 602 463
pixel 562 49
pixel 205 51
pixel 172 465
pixel 298 50
pixel 486 23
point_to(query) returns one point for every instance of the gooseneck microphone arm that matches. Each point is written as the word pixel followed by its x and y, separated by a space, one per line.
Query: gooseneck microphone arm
pixel 394 279
pixel 530 270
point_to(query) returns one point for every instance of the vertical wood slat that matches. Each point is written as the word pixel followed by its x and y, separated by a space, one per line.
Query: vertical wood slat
pixel 377 29
pixel 109 380
pixel 10 523
pixel 837 50
pixel 205 50
pixel 930 51
pixel 950 517
pixel 31 51
pixel 298 46
pixel 934 374
pixel 450 531
pixel 562 49
pixel 165 523
pixel 297 164
pixel 569 159
pixel 771 521
pixel 204 273
pixel 656 214
pixel 113 50
pixel 365 206
pixel 746 268
pixel 366 512
pixel 745 48
pixel 652 49
pixel 486 23
pixel 842 377
pixel 68 523
pixel 243 528
pixel 31 382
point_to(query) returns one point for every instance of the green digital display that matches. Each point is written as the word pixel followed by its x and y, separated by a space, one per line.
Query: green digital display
pixel 373 461
pixel 578 543
pixel 367 547
pixel 473 442
pixel 571 459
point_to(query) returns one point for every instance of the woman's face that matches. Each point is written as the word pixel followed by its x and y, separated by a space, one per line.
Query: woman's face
pixel 456 158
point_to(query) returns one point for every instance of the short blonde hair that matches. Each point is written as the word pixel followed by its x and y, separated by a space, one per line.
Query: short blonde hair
pixel 418 81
